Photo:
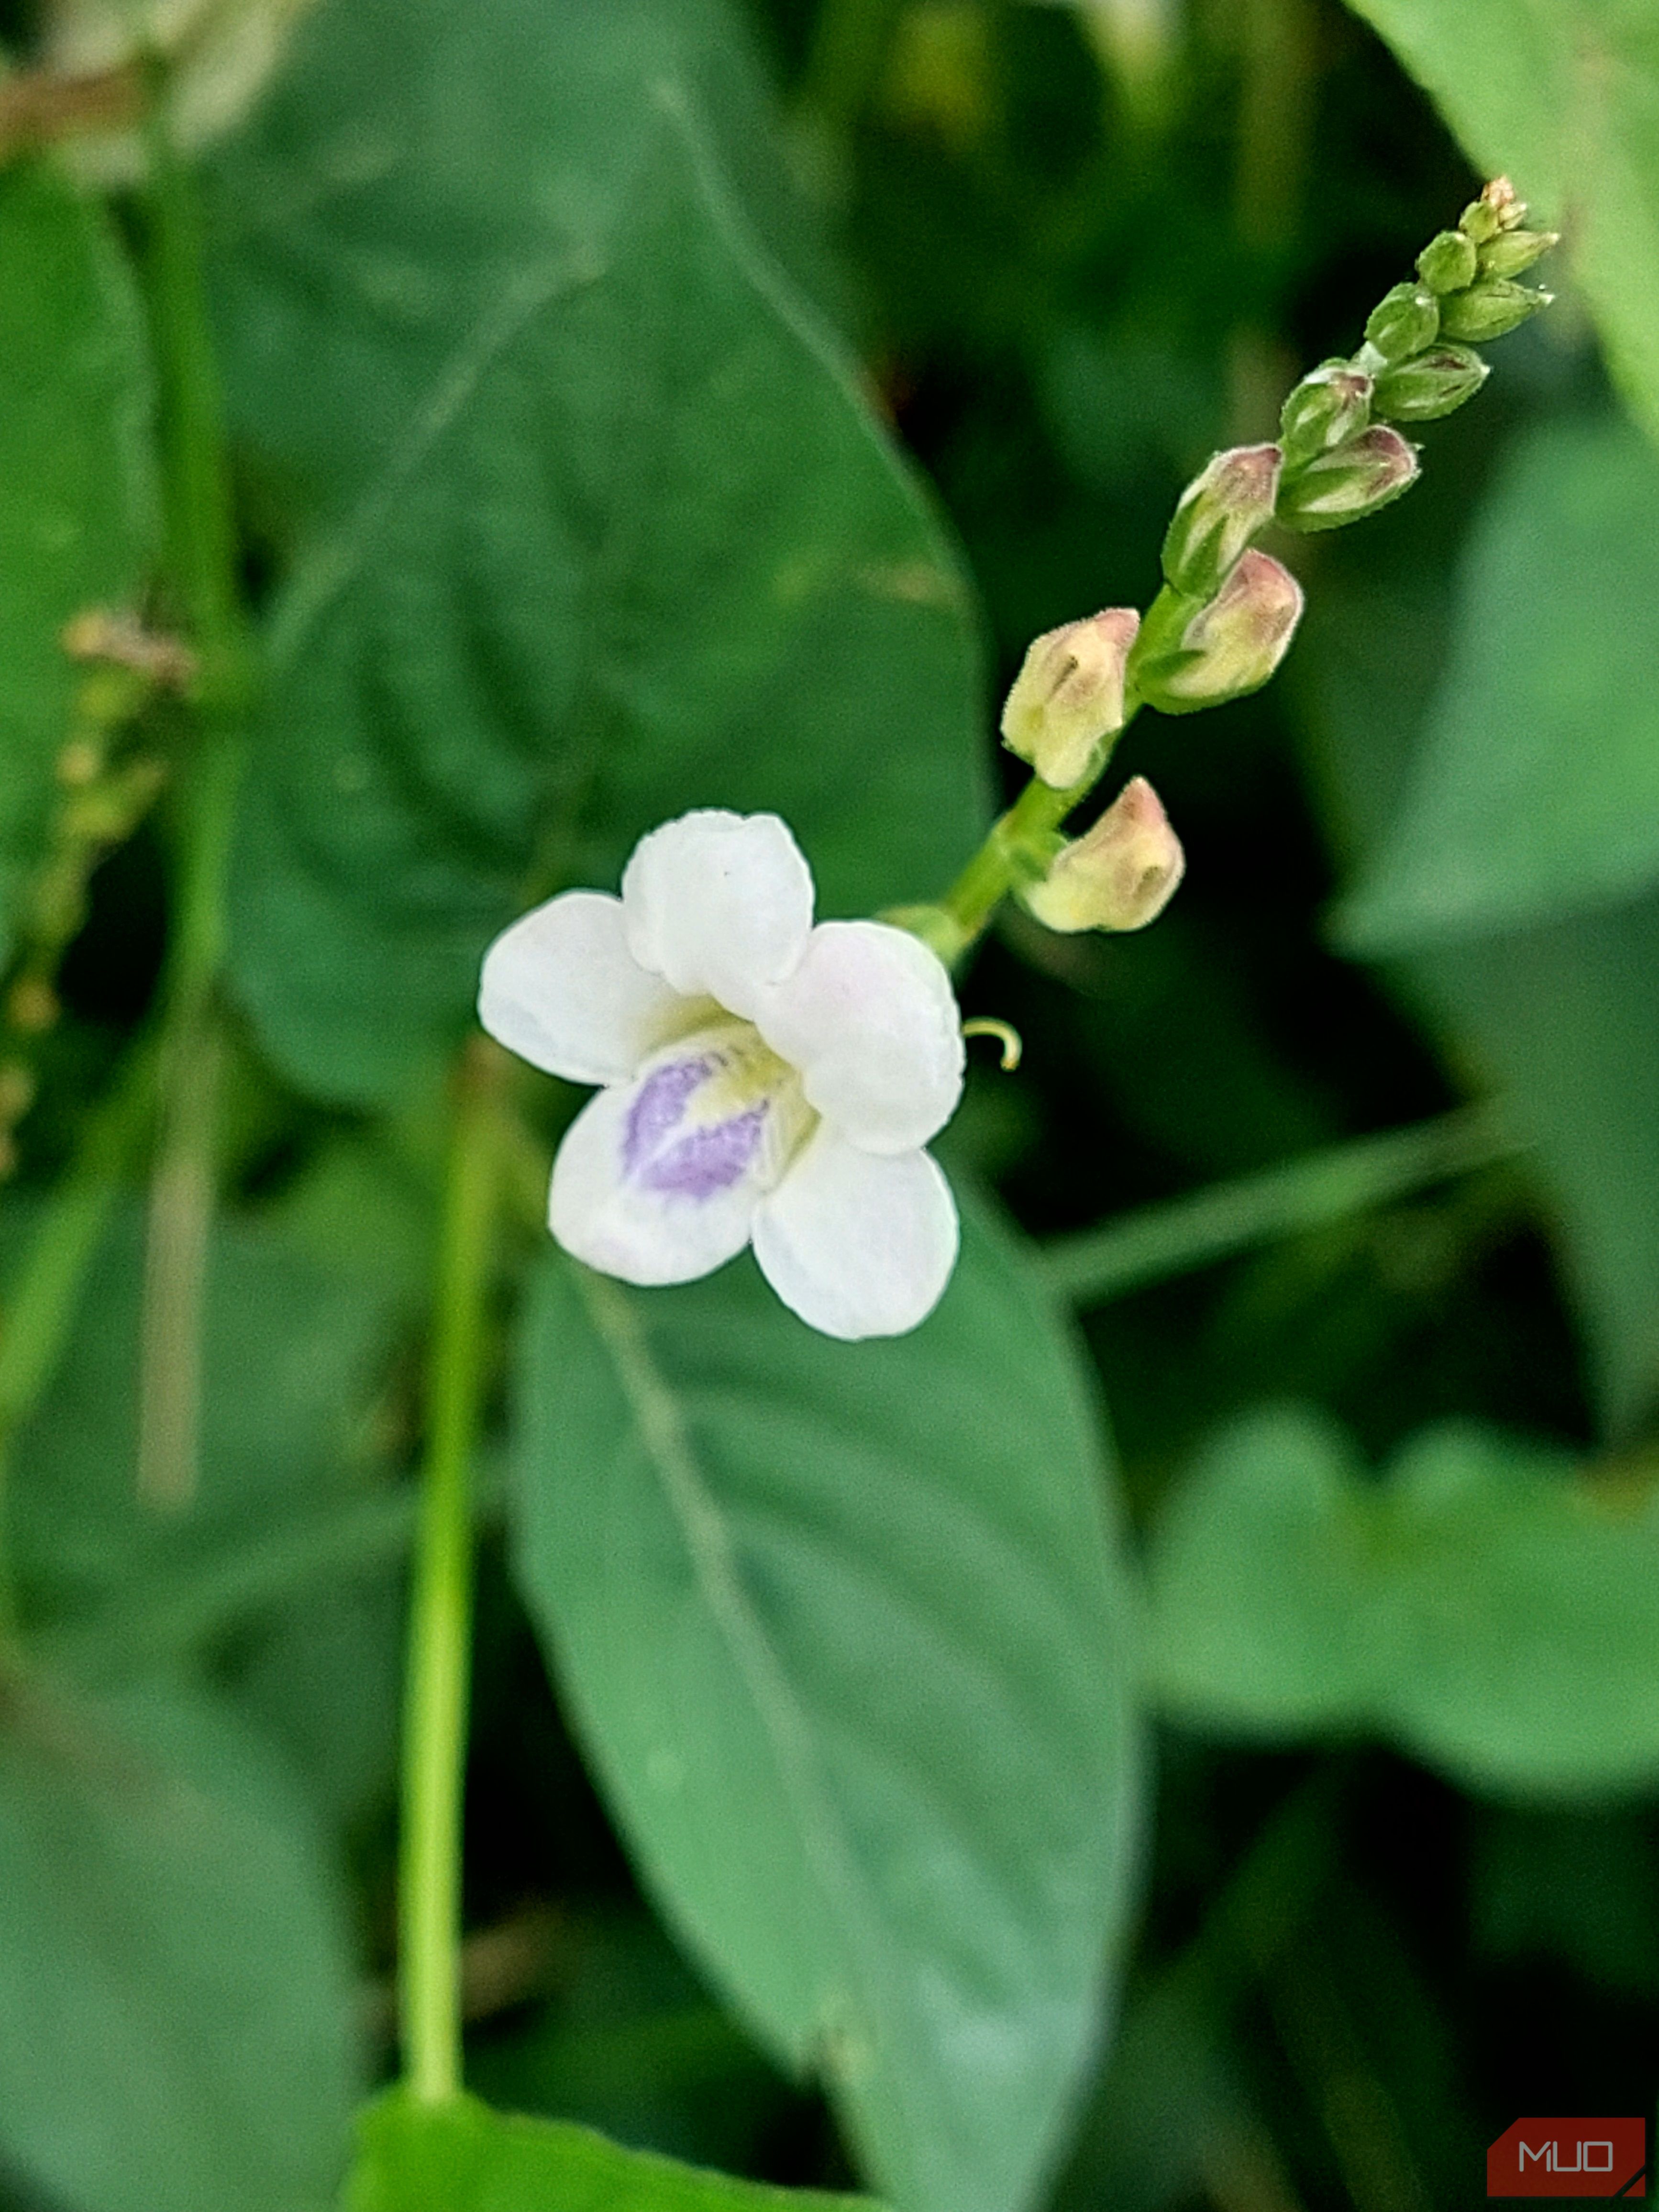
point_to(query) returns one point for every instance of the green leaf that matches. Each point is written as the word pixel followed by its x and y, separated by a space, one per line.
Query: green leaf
pixel 1524 831
pixel 175 1994
pixel 1480 1605
pixel 414 162
pixel 645 551
pixel 462 2157
pixel 845 1632
pixel 1564 1021
pixel 289 1353
pixel 1559 94
pixel 1534 792
pixel 77 503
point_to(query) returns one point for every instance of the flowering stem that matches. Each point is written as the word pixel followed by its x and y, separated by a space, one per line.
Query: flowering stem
pixel 1013 851
pixel 202 567
pixel 441 1620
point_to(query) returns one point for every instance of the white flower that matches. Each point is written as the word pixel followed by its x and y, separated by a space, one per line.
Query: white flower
pixel 765 1082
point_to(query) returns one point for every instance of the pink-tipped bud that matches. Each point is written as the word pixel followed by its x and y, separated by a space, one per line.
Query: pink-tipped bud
pixel 1499 208
pixel 1329 406
pixel 1068 695
pixel 1433 385
pixel 1121 875
pixel 1356 479
pixel 1227 648
pixel 1219 513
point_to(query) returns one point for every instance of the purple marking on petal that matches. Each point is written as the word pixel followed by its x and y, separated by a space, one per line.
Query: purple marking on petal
pixel 709 1160
pixel 659 1108
pixel 703 1161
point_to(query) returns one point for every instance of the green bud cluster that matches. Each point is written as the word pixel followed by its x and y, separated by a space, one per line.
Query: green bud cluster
pixel 1342 459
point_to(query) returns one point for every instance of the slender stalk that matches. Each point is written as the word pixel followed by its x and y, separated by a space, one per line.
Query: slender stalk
pixel 1012 851
pixel 40 1303
pixel 202 564
pixel 441 1621
pixel 1277 102
pixel 200 520
pixel 1156 1242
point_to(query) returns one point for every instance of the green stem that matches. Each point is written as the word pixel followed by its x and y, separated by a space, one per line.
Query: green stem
pixel 202 564
pixel 1151 1245
pixel 200 517
pixel 435 1707
pixel 1013 851
pixel 41 1302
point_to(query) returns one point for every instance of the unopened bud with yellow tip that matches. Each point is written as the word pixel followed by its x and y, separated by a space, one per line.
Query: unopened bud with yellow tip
pixel 1121 875
pixel 1192 658
pixel 1068 696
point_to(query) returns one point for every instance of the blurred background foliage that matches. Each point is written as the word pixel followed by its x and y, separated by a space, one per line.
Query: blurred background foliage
pixel 1384 1405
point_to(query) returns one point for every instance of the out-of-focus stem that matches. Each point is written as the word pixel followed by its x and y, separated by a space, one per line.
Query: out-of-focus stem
pixel 1276 108
pixel 440 1617
pixel 1158 1242
pixel 37 1305
pixel 202 565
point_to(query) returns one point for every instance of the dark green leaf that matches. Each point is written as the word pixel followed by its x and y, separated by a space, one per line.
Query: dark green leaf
pixel 175 2001
pixel 1559 94
pixel 462 2157
pixel 1485 1609
pixel 415 164
pixel 289 1358
pixel 1566 1022
pixel 844 1630
pixel 643 549
pixel 77 502
pixel 1534 793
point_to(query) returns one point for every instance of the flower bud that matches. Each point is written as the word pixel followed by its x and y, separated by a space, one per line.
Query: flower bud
pixel 1403 322
pixel 1357 479
pixel 1121 875
pixel 1219 513
pixel 1069 695
pixel 1433 385
pixel 1499 208
pixel 1220 651
pixel 1490 309
pixel 1514 251
pixel 1449 262
pixel 223 53
pixel 1324 409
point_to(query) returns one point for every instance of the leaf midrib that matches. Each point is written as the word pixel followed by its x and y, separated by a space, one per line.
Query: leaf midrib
pixel 654 1404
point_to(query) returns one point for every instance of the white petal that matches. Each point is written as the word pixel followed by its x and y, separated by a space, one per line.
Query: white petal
pixel 657 1180
pixel 719 904
pixel 856 1243
pixel 561 988
pixel 869 1020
